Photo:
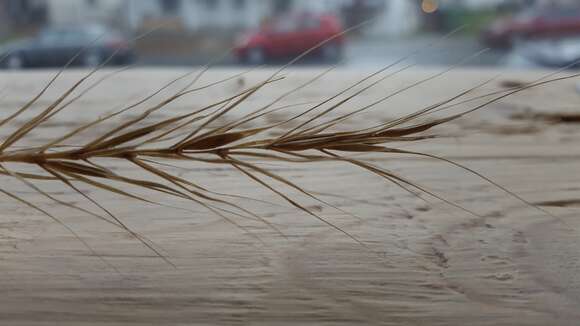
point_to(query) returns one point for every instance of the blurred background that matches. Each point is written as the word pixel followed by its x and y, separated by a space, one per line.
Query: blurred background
pixel 518 33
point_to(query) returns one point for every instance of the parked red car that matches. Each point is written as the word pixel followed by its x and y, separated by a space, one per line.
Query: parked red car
pixel 547 23
pixel 289 36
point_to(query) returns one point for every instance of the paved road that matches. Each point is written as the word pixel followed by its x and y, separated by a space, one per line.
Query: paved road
pixel 372 53
pixel 379 52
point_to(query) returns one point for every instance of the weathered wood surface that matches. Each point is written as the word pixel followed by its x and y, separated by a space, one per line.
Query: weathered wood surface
pixel 511 265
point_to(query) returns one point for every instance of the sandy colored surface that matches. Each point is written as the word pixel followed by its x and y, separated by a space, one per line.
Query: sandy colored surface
pixel 438 265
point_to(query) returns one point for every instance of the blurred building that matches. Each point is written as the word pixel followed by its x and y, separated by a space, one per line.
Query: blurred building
pixel 21 13
pixel 474 4
pixel 196 15
pixel 493 4
pixel 395 16
pixel 562 3
pixel 65 12
pixel 191 15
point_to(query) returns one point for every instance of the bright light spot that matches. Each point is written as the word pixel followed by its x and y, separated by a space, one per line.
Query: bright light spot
pixel 429 6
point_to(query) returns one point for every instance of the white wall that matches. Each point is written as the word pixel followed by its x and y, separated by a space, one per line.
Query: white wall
pixel 318 6
pixel 473 4
pixel 195 14
pixel 399 17
pixel 80 11
pixel 137 10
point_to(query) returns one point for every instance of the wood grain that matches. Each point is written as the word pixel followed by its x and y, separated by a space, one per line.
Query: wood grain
pixel 431 264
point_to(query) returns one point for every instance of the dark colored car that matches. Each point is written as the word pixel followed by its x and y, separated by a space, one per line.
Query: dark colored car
pixel 289 36
pixel 54 47
pixel 539 23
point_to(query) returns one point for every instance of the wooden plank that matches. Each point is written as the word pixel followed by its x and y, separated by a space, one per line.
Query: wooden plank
pixel 507 264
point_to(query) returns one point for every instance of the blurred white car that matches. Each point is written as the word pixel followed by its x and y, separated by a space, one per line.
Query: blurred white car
pixel 553 52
